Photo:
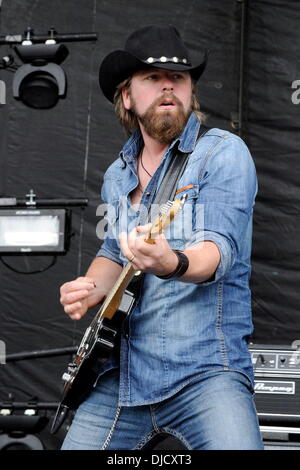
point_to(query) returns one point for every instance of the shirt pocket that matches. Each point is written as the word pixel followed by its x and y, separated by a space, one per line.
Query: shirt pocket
pixel 180 233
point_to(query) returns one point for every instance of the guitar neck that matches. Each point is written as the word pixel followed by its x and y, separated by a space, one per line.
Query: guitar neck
pixel 112 301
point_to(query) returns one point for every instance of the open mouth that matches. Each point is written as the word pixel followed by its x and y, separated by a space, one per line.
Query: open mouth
pixel 167 104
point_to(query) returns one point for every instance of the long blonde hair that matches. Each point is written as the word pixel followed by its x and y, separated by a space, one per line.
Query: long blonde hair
pixel 129 120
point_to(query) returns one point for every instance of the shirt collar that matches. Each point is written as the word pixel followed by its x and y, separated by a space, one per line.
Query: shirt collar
pixel 186 141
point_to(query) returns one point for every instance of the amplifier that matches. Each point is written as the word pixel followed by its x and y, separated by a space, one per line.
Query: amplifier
pixel 277 386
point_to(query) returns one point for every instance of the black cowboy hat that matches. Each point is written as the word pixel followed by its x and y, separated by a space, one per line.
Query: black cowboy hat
pixel 150 46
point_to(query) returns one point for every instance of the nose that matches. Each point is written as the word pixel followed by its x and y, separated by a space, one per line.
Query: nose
pixel 167 84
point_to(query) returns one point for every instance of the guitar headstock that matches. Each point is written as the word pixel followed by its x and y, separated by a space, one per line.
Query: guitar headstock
pixel 166 214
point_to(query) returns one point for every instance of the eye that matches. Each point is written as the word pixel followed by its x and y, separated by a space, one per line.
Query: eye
pixel 152 76
pixel 178 76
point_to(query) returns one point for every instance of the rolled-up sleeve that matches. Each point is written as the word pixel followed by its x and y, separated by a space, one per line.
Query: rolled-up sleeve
pixel 227 194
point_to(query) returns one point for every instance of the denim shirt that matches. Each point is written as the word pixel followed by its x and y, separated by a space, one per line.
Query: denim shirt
pixel 179 330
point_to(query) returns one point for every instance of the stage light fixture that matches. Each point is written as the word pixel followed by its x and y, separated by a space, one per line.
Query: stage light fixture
pixel 33 231
pixel 40 82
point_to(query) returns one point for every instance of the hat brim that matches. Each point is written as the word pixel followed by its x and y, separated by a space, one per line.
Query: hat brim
pixel 119 65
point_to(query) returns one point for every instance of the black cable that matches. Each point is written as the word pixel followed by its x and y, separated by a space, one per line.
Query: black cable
pixel 19 405
pixel 9 68
pixel 41 353
pixel 38 271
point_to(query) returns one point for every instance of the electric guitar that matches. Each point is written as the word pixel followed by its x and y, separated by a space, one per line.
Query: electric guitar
pixel 101 338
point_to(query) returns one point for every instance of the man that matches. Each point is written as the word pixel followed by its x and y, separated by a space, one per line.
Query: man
pixel 184 366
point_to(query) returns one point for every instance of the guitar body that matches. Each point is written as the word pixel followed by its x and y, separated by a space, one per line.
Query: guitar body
pixel 101 338
pixel 83 371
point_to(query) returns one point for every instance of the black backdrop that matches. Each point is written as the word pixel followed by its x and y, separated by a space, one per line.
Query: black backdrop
pixel 63 152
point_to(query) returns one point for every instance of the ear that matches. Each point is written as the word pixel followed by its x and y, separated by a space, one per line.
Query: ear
pixel 126 98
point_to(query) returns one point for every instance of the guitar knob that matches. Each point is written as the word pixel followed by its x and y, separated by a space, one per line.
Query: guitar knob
pixel 66 377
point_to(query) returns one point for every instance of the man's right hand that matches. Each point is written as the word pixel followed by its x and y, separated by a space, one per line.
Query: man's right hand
pixel 78 296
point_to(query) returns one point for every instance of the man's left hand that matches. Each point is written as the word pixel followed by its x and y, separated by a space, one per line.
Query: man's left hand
pixel 155 258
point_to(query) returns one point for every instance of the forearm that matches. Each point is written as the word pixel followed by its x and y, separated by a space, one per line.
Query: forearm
pixel 104 273
pixel 159 259
pixel 204 259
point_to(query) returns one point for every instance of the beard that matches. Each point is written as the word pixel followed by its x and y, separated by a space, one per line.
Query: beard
pixel 163 126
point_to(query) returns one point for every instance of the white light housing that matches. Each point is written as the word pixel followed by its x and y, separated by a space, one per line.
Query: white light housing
pixel 33 230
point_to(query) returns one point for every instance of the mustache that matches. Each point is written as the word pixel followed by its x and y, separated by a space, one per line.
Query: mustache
pixel 167 97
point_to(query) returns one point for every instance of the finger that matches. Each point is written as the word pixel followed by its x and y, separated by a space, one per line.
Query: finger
pixel 85 278
pixel 133 238
pixel 156 250
pixel 76 311
pixel 75 316
pixel 143 228
pixel 161 240
pixel 77 285
pixel 74 296
pixel 127 244
pixel 72 308
pixel 89 280
pixel 123 237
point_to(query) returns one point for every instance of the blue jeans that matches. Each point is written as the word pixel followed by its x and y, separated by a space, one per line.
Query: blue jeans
pixel 214 412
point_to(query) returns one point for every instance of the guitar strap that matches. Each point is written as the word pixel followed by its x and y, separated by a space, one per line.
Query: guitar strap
pixel 167 189
pixel 166 192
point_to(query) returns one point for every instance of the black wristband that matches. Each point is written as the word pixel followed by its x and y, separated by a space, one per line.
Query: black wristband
pixel 181 268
